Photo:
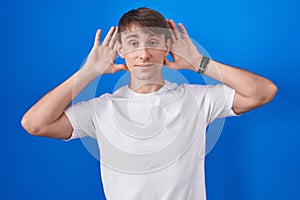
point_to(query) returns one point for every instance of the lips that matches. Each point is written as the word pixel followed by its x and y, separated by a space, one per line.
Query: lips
pixel 144 65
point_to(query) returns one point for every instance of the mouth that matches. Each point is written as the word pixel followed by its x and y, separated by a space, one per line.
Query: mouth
pixel 144 65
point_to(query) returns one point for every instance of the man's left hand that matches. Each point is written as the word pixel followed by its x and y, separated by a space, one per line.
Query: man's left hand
pixel 184 53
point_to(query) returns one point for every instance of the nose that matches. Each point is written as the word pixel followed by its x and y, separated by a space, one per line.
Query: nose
pixel 144 53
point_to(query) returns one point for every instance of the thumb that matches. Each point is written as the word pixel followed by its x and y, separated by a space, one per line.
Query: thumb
pixel 121 67
pixel 169 64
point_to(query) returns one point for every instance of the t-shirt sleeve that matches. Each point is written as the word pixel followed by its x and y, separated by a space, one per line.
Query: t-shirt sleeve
pixel 220 99
pixel 215 101
pixel 81 117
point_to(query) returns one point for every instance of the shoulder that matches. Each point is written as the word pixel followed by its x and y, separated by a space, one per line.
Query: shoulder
pixel 221 87
pixel 196 88
pixel 104 98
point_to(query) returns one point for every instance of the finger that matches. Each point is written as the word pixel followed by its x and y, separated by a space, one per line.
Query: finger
pixel 97 38
pixel 108 36
pixel 172 35
pixel 183 30
pixel 175 30
pixel 113 39
pixel 115 47
pixel 168 23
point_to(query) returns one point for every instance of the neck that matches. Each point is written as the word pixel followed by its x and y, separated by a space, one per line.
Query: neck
pixel 146 86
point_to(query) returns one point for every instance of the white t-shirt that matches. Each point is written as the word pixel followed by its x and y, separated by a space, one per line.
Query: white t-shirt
pixel 152 146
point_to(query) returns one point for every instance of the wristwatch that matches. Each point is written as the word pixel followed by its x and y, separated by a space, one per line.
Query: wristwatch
pixel 203 65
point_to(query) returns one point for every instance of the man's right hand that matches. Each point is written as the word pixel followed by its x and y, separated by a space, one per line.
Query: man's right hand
pixel 46 117
pixel 102 56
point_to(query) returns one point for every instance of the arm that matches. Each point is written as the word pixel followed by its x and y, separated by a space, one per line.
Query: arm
pixel 46 117
pixel 252 90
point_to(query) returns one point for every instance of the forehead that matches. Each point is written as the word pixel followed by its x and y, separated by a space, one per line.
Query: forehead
pixel 142 33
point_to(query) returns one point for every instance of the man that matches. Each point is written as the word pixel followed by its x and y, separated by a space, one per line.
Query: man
pixel 151 133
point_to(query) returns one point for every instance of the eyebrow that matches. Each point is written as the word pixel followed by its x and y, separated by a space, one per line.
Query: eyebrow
pixel 132 36
pixel 137 35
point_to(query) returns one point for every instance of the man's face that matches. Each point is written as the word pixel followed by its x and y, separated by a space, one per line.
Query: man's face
pixel 143 52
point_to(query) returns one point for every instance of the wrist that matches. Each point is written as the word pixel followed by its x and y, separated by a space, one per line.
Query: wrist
pixel 89 71
pixel 197 63
pixel 202 64
pixel 194 63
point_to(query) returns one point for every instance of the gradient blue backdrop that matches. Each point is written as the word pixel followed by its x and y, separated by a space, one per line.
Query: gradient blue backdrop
pixel 44 42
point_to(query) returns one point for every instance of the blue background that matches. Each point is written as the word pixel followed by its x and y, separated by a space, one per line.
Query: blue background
pixel 44 42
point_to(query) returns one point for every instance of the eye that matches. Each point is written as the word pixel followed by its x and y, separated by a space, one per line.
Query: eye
pixel 133 43
pixel 153 43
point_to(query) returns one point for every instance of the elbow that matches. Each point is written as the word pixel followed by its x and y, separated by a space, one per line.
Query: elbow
pixel 29 126
pixel 269 93
pixel 274 90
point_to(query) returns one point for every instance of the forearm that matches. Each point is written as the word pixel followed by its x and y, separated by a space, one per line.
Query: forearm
pixel 50 107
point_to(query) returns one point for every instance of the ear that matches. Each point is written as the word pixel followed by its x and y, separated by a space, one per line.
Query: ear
pixel 168 47
pixel 120 49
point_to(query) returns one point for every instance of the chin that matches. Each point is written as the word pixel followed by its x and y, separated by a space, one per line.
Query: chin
pixel 143 76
